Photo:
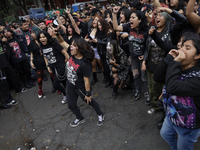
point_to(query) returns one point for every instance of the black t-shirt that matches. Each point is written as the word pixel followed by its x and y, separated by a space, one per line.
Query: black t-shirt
pixel 137 40
pixel 38 58
pixel 53 54
pixel 3 60
pixel 76 70
pixel 156 55
pixel 83 29
pixel 16 54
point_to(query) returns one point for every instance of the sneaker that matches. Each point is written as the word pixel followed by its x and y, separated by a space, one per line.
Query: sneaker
pixel 13 102
pixel 64 101
pixel 40 94
pixel 100 119
pixel 22 90
pixel 77 122
pixel 148 100
pixel 137 95
pixel 151 111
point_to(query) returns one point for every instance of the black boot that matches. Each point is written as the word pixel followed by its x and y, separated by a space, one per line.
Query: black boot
pixel 104 78
pixel 94 78
pixel 160 123
pixel 114 94
pixel 108 84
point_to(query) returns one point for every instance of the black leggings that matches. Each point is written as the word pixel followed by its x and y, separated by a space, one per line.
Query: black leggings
pixel 72 97
pixel 56 82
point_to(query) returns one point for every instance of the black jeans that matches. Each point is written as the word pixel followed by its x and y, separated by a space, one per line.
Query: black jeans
pixel 8 73
pixel 24 70
pixel 72 97
pixel 56 82
pixel 105 67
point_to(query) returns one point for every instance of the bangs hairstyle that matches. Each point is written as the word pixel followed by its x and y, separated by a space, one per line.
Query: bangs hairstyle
pixel 85 49
pixel 194 37
pixel 50 40
pixel 141 16
pixel 71 26
pixel 36 30
pixel 127 14
pixel 8 29
pixel 116 49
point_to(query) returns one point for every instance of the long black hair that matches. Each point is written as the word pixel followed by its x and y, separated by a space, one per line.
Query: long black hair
pixel 50 40
pixel 116 49
pixel 141 16
pixel 85 49
pixel 127 14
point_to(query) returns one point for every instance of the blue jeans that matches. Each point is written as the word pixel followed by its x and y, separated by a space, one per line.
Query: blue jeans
pixel 186 137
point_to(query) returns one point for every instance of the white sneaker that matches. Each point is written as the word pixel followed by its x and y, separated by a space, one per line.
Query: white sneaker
pixel 151 111
pixel 64 101
pixel 100 119
pixel 40 96
pixel 13 102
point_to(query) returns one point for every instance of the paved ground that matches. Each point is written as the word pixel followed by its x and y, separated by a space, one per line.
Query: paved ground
pixel 44 123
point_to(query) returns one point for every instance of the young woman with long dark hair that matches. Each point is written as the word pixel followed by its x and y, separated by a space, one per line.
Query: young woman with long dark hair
pixel 119 66
pixel 55 57
pixel 104 34
pixel 37 60
pixel 89 38
pixel 78 73
pixel 138 33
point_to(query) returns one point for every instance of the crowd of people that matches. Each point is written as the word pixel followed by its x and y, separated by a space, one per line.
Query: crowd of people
pixel 149 47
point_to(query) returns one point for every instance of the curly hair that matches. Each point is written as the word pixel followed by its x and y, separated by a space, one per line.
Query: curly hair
pixel 99 17
pixel 105 26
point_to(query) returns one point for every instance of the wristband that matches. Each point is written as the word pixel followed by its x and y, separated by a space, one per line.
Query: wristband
pixel 88 93
pixel 47 66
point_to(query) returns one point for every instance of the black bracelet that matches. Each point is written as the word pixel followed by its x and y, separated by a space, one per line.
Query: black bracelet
pixel 88 93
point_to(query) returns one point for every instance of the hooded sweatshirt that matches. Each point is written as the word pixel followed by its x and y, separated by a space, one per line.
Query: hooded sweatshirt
pixel 181 96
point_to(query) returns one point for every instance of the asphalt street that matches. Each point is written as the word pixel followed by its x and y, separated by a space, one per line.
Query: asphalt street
pixel 44 123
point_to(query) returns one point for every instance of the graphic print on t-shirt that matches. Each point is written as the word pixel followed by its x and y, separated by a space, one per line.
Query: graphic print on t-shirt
pixel 71 71
pixel 28 40
pixel 16 49
pixel 136 41
pixel 48 53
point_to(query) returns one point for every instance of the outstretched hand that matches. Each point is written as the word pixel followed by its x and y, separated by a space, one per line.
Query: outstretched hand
pixel 67 10
pixel 88 99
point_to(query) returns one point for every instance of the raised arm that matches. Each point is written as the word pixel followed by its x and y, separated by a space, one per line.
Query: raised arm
pixel 72 21
pixel 156 4
pixel 193 18
pixel 64 44
pixel 115 24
